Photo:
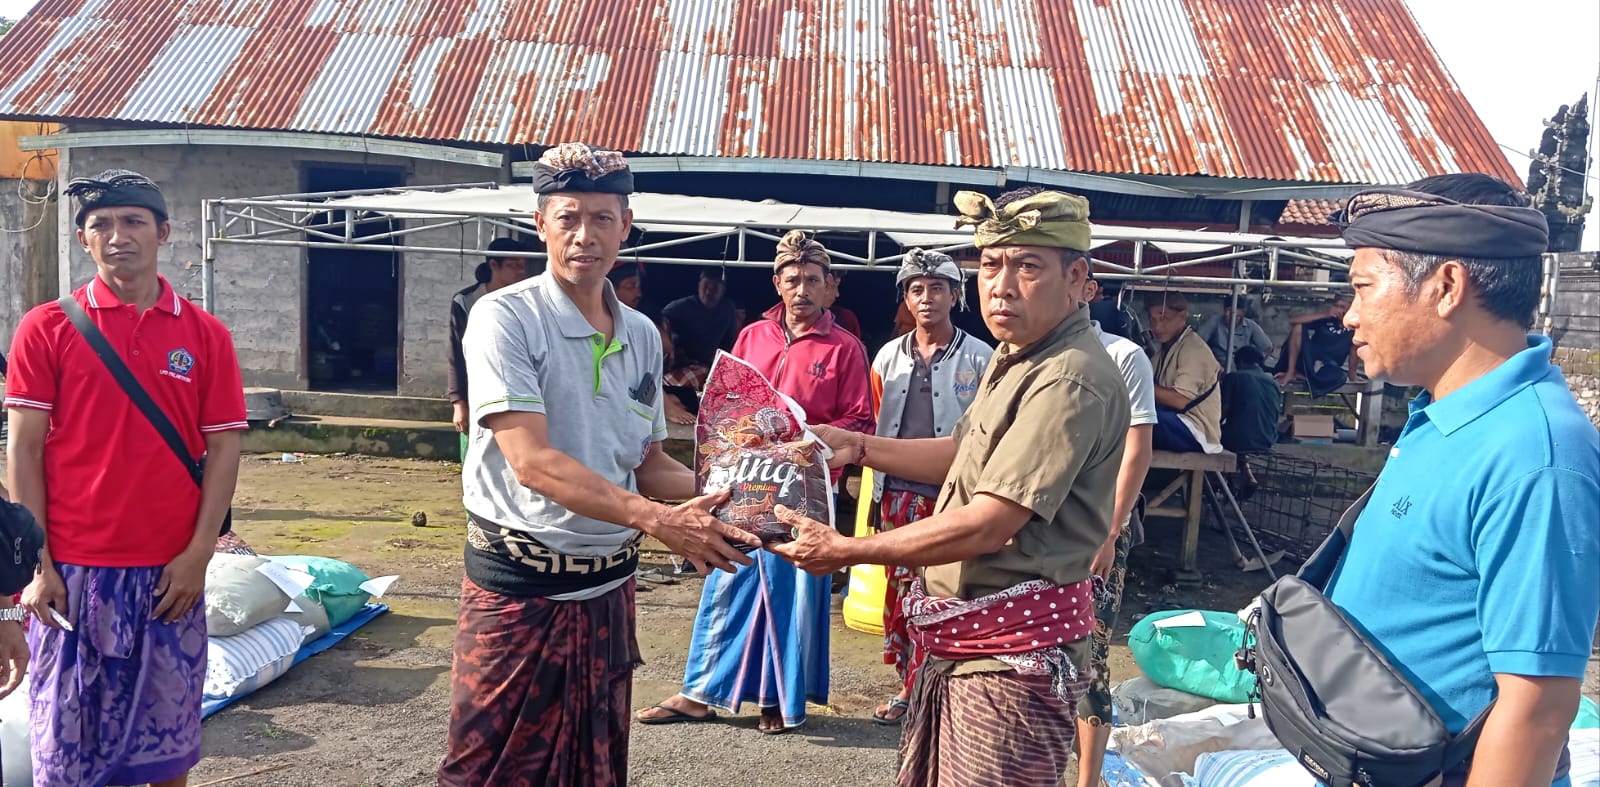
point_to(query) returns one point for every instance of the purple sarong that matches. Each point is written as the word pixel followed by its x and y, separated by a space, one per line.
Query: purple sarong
pixel 116 701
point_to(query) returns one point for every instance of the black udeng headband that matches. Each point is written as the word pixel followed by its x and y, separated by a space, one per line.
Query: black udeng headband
pixel 1425 223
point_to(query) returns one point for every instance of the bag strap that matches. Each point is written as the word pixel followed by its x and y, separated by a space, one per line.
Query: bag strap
pixel 130 384
pixel 1318 569
pixel 1195 402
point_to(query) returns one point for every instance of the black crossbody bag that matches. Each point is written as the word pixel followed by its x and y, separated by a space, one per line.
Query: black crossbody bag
pixel 1333 699
pixel 141 398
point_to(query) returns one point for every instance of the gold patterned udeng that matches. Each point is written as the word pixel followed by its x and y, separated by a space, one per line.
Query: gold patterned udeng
pixel 1049 218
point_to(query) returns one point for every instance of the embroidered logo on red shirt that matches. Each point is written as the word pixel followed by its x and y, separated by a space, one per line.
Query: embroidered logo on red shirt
pixel 179 362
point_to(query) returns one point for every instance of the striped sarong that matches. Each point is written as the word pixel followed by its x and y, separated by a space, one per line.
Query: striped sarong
pixel 1003 729
pixel 761 636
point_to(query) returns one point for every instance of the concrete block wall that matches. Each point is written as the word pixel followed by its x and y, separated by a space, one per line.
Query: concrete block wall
pixel 14 300
pixel 430 281
pixel 260 290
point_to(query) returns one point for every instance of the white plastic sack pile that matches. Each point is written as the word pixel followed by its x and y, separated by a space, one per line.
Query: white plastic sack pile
pixel 1168 746
pixel 1271 768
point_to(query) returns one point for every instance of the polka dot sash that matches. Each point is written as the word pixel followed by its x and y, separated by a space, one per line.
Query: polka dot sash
pixel 1022 619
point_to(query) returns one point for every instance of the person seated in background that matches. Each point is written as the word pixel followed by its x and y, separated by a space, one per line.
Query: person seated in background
pixel 695 327
pixel 627 279
pixel 1245 333
pixel 842 317
pixel 1188 409
pixel 1251 407
pixel 1111 315
pixel 1319 350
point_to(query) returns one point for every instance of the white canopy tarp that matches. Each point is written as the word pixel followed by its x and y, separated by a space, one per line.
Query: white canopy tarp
pixel 681 214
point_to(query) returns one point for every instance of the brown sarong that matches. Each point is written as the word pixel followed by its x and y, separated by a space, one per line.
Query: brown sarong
pixel 987 728
pixel 541 690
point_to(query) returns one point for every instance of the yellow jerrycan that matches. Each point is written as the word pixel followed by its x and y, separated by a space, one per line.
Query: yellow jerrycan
pixel 863 606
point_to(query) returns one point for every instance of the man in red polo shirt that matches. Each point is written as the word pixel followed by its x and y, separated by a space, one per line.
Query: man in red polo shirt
pixel 118 639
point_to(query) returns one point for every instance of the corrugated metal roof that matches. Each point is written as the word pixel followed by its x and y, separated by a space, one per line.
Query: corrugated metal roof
pixel 1292 90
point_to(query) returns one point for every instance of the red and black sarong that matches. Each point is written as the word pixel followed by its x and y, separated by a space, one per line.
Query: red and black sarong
pixel 541 690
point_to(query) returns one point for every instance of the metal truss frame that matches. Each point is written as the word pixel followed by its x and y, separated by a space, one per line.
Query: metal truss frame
pixel 308 221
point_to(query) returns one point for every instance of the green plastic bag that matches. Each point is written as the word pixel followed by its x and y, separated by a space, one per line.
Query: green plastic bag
pixel 336 585
pixel 1588 717
pixel 1195 658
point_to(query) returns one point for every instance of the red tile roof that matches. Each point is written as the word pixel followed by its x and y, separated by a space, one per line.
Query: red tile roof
pixel 1309 212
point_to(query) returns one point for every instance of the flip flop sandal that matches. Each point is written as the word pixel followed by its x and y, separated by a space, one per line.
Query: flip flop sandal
pixel 780 729
pixel 654 575
pixel 886 720
pixel 677 717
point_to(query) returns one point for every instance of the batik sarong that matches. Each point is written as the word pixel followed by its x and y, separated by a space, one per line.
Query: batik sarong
pixel 540 690
pixel 897 509
pixel 693 377
pixel 117 699
pixel 761 636
pixel 980 729
pixel 1096 705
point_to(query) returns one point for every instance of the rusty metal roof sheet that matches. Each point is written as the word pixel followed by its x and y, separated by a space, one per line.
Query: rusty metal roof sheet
pixel 1289 90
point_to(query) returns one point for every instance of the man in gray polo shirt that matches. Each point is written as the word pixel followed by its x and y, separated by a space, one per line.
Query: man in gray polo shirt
pixel 567 424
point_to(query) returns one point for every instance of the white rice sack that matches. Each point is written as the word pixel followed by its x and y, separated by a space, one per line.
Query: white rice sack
pixel 1266 768
pixel 16 759
pixel 1584 745
pixel 311 615
pixel 1167 746
pixel 245 662
pixel 239 598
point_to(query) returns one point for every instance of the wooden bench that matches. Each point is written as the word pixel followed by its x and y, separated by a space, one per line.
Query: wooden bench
pixel 1193 467
pixel 1368 407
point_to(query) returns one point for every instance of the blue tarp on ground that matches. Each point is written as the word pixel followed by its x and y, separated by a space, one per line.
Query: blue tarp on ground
pixel 312 648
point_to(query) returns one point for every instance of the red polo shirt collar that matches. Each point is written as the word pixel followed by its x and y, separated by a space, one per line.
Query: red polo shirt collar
pixel 101 296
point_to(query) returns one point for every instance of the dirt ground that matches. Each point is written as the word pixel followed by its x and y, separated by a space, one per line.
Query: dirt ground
pixel 374 709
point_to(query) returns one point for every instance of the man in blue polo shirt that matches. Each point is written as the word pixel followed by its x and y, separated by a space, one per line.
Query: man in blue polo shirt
pixel 1476 564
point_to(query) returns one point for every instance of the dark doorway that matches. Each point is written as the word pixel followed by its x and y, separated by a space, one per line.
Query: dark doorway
pixel 353 296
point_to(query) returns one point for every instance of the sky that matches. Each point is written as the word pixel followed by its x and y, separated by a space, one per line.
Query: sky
pixel 1516 61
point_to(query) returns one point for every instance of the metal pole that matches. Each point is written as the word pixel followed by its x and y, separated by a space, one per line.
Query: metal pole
pixel 1248 532
pixel 210 219
pixel 1230 323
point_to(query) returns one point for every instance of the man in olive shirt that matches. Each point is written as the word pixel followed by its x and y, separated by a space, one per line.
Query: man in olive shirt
pixel 1004 605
